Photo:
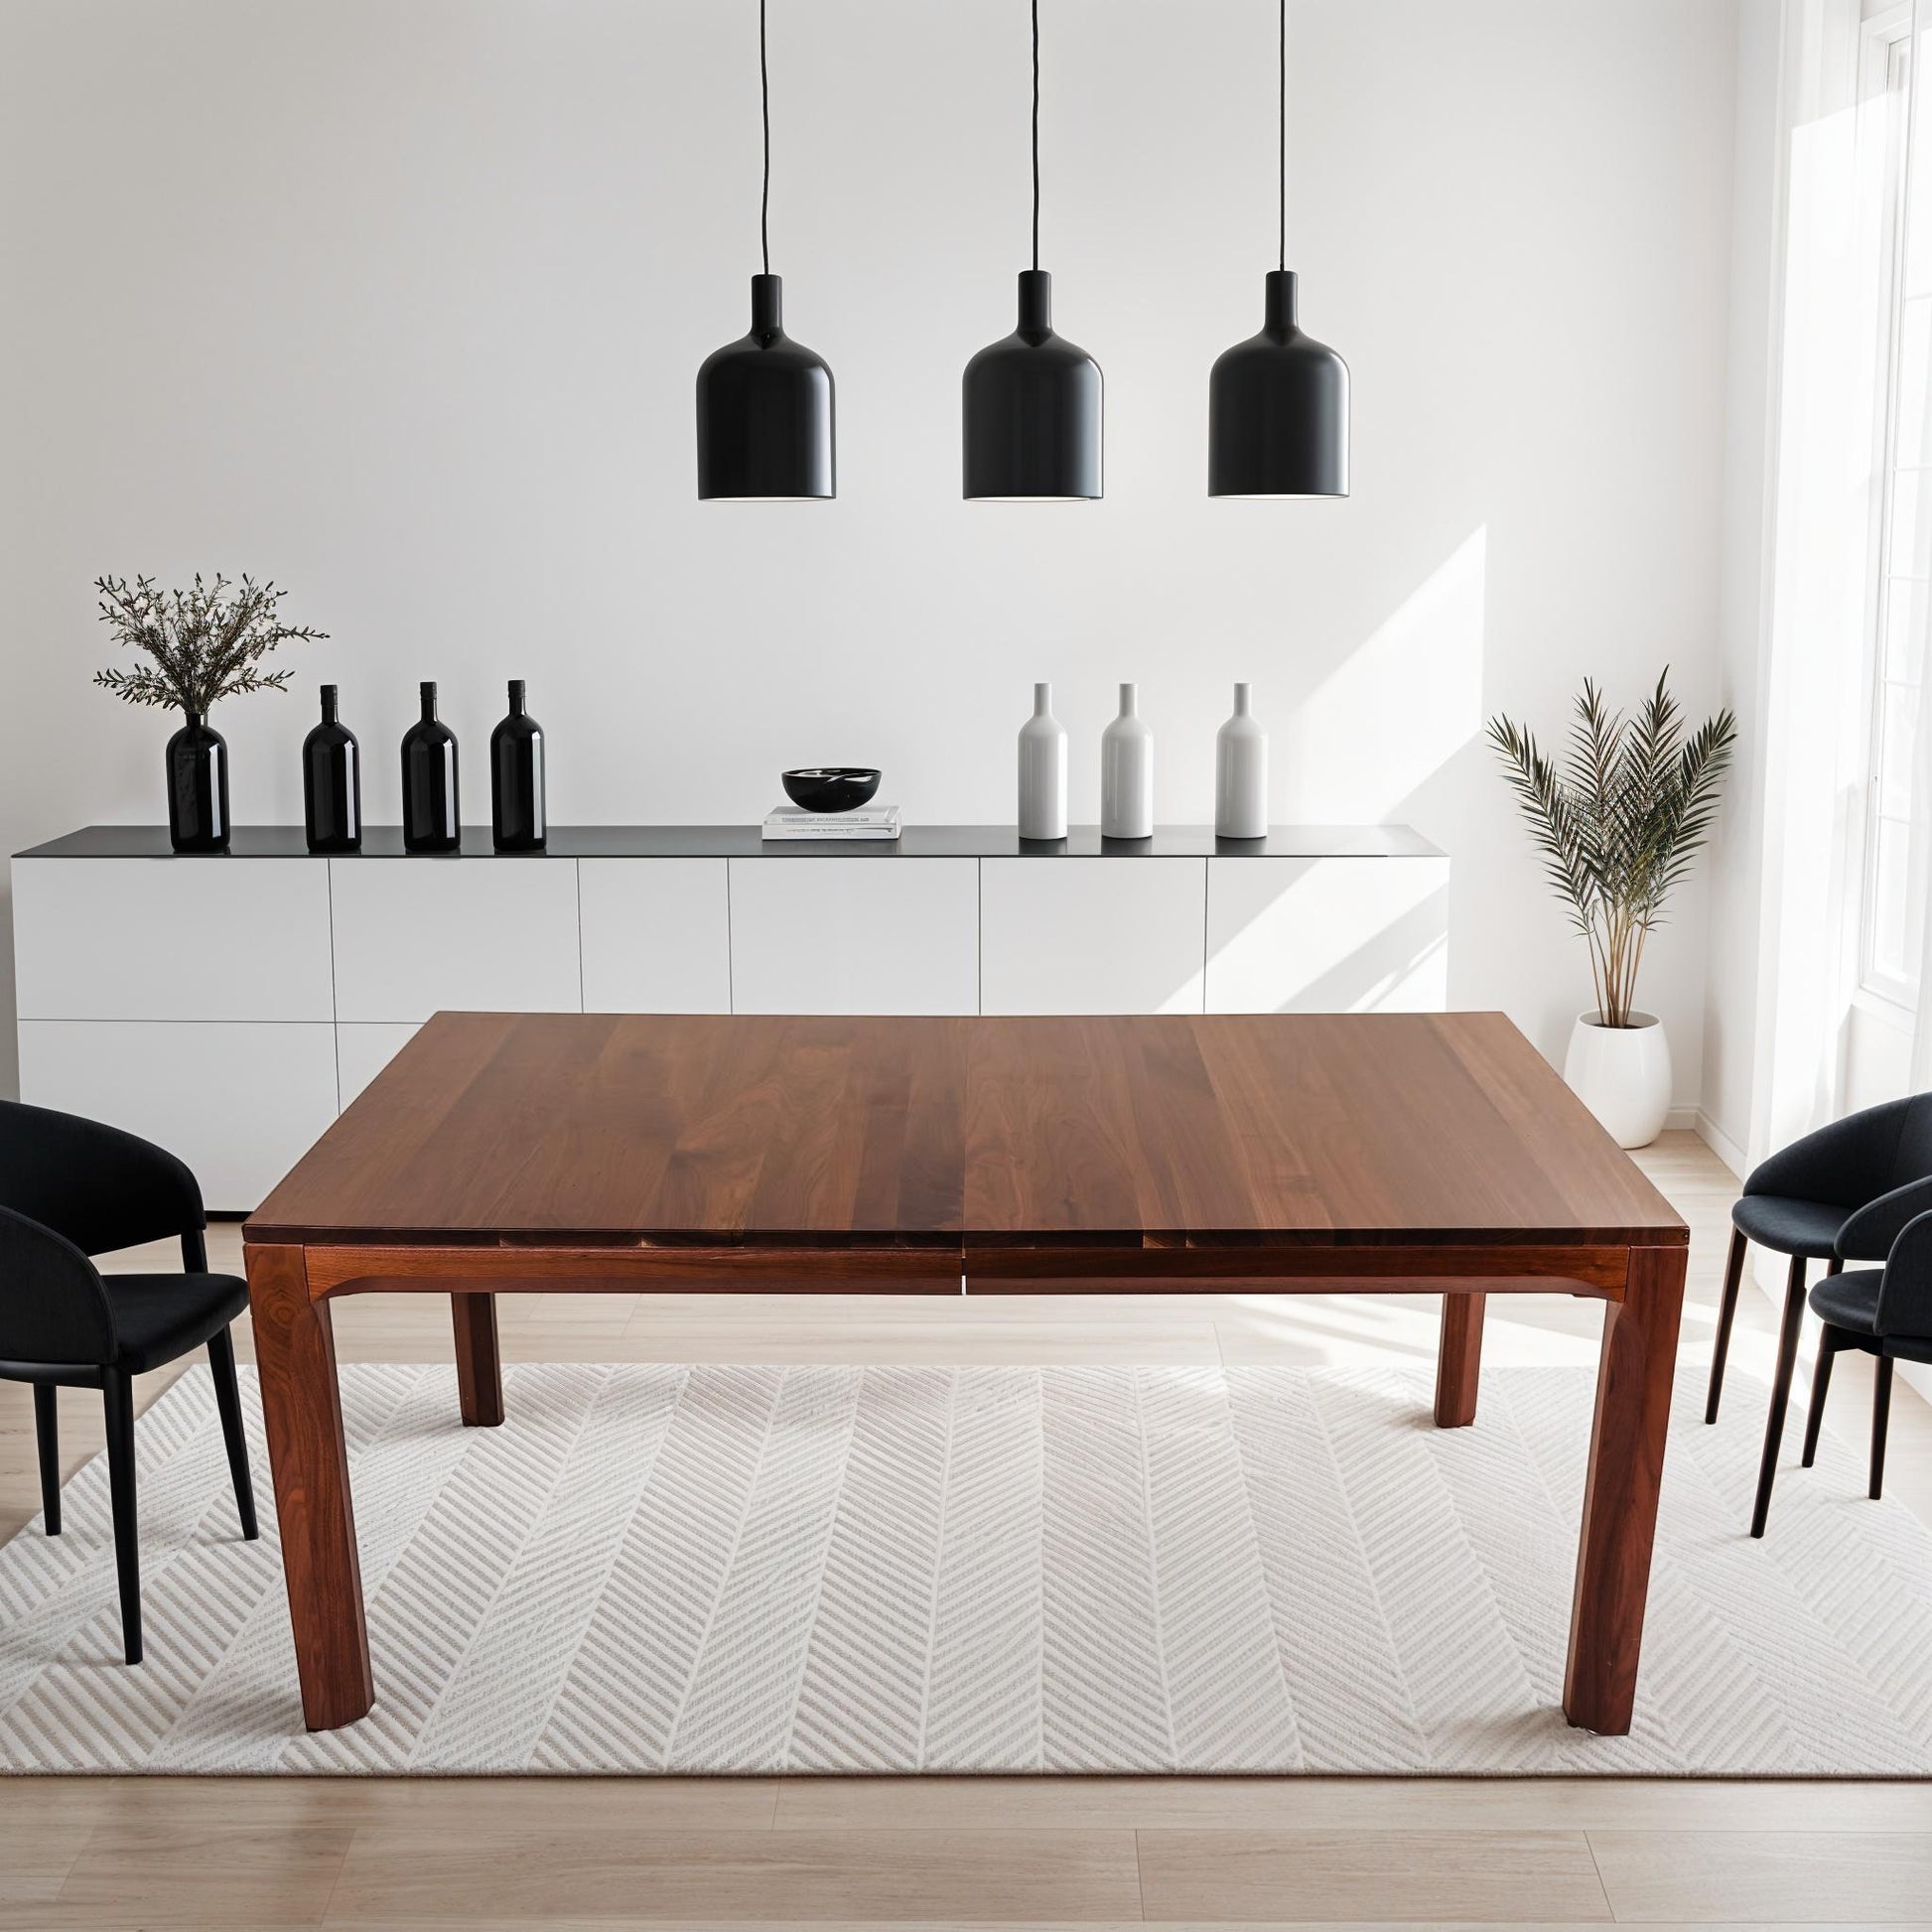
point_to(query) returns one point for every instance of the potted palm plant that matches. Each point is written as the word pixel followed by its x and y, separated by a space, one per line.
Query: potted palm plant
pixel 1618 826
pixel 207 643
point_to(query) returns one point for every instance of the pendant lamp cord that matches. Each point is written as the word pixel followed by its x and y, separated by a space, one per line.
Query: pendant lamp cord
pixel 765 109
pixel 1282 229
pixel 1036 133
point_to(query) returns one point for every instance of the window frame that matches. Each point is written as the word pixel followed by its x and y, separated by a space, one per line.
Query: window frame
pixel 1885 80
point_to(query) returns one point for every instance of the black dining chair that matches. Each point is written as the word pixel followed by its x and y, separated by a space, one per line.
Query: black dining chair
pixel 71 1189
pixel 1884 1311
pixel 1842 1193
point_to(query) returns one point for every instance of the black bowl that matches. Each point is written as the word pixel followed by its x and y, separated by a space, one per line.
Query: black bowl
pixel 830 788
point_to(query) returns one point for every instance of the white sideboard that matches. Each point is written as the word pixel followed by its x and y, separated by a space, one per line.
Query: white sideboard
pixel 229 1008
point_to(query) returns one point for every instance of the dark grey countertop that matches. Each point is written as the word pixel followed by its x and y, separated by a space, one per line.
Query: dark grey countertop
pixel 743 842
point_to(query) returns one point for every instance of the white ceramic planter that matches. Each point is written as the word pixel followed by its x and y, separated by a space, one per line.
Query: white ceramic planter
pixel 1622 1075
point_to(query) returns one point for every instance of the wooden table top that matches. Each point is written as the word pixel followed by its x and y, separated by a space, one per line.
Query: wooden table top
pixel 1323 1128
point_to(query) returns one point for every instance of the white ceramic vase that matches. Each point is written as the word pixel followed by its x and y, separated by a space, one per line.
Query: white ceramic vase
pixel 1241 775
pixel 1043 771
pixel 1622 1075
pixel 1127 771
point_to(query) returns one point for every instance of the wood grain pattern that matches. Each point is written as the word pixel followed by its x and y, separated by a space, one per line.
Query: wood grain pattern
pixel 1458 1361
pixel 1627 1468
pixel 1183 1129
pixel 614 1270
pixel 1081 1155
pixel 295 1354
pixel 1082 1268
pixel 1437 1877
pixel 478 1361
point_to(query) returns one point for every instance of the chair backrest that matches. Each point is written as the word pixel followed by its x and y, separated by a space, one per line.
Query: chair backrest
pixel 1852 1160
pixel 1905 1290
pixel 99 1187
pixel 1913 1152
pixel 53 1306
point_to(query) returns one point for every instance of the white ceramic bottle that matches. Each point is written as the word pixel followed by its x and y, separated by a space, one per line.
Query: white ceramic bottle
pixel 1127 771
pixel 1241 775
pixel 1043 771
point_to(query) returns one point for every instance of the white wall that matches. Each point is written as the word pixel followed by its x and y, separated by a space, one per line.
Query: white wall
pixel 1737 851
pixel 401 304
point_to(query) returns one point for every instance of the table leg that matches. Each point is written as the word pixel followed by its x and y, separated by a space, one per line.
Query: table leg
pixel 295 1350
pixel 1626 1466
pixel 479 1365
pixel 1459 1362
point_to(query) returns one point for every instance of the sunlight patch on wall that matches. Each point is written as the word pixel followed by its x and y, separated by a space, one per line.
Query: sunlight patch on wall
pixel 1401 703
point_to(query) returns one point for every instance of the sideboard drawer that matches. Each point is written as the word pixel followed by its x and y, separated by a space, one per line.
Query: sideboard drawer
pixel 855 936
pixel 656 935
pixel 172 940
pixel 1327 936
pixel 1092 936
pixel 414 936
pixel 240 1103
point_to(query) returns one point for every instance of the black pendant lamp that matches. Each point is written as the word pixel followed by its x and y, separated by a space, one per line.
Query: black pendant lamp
pixel 764 401
pixel 1033 399
pixel 1278 403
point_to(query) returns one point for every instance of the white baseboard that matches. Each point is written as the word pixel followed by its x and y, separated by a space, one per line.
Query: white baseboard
pixel 1718 1141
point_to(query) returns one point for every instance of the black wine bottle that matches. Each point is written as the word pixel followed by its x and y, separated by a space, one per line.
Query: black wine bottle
pixel 332 783
pixel 431 821
pixel 516 817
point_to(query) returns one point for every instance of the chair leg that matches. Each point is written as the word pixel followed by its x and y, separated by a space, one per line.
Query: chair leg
pixel 1794 1315
pixel 47 1431
pixel 1880 1417
pixel 1821 1381
pixel 118 1390
pixel 227 1400
pixel 1726 1315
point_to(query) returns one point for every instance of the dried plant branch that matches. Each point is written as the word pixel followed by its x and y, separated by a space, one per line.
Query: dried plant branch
pixel 1619 828
pixel 207 643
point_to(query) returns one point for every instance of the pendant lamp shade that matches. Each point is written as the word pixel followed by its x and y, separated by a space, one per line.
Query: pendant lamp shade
pixel 1031 400
pixel 764 401
pixel 765 411
pixel 1032 409
pixel 1278 403
pixel 1278 410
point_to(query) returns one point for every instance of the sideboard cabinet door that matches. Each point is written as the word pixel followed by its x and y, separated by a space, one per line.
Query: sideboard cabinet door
pixel 488 935
pixel 240 1102
pixel 656 935
pixel 176 939
pixel 1327 936
pixel 882 934
pixel 1092 936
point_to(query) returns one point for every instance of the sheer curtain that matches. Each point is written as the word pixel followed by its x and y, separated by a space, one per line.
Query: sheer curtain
pixel 1845 702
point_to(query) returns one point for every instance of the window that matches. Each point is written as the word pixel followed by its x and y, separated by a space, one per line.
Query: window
pixel 1897 853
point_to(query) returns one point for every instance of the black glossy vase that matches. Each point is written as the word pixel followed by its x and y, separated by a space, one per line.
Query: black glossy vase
pixel 332 783
pixel 516 819
pixel 197 788
pixel 430 818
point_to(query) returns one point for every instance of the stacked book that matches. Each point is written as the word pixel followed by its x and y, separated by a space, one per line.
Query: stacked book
pixel 867 822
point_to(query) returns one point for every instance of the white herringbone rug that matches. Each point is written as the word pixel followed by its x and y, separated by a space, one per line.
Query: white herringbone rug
pixel 883 1570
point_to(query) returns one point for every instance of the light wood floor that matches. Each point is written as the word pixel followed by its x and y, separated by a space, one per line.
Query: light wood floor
pixel 506 1853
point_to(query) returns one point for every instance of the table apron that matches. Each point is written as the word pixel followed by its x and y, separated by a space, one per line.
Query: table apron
pixel 1503 1267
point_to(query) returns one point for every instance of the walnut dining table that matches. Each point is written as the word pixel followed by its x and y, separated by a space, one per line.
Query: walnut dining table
pixel 1280 1154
